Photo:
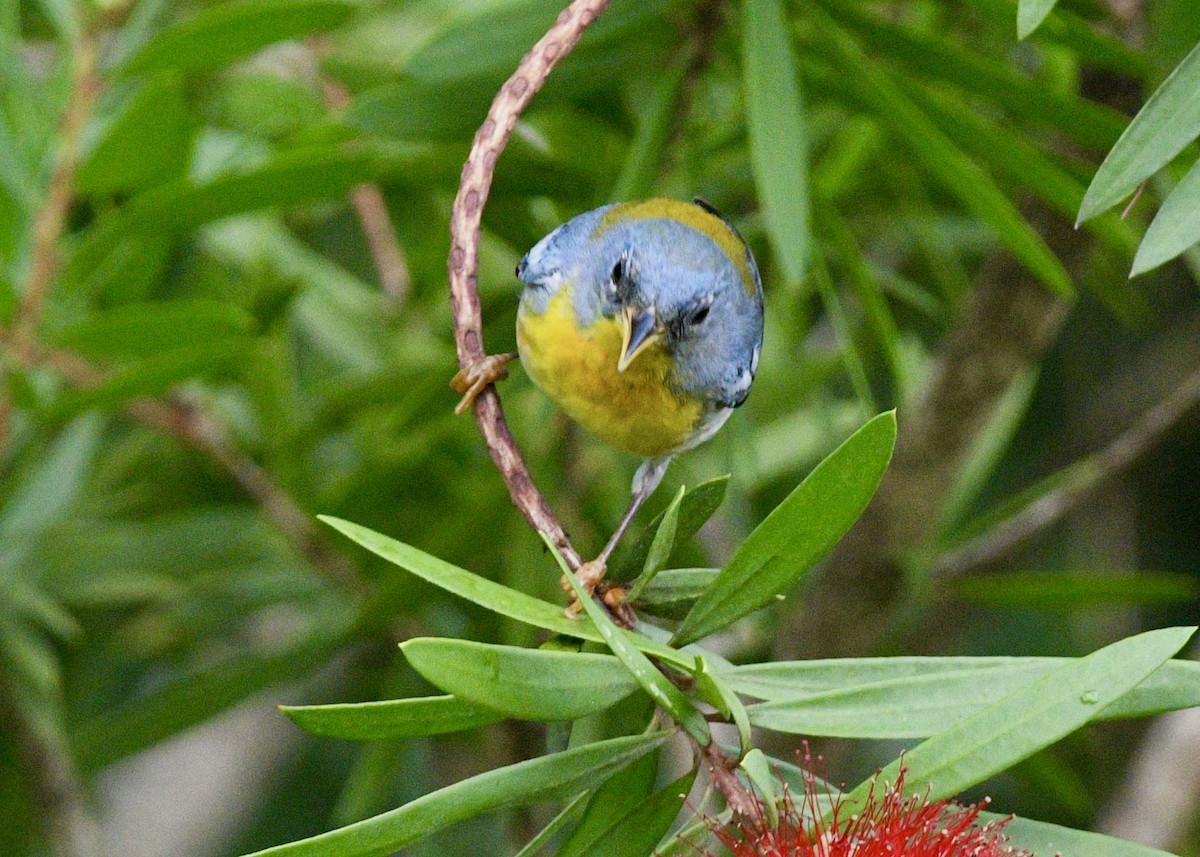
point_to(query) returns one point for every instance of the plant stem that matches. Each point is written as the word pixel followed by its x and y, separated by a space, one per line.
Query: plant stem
pixel 465 219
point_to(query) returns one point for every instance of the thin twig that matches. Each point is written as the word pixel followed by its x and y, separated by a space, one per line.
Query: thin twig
pixel 188 421
pixel 465 219
pixel 391 266
pixel 51 217
pixel 1050 508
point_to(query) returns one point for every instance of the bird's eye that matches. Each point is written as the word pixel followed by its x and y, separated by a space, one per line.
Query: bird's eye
pixel 618 271
pixel 699 315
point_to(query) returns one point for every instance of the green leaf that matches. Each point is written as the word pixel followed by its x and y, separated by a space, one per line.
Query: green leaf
pixel 917 697
pixel 929 55
pixel 219 35
pixel 654 125
pixel 1075 590
pixel 523 683
pixel 666 695
pixel 776 128
pixel 1031 13
pixel 45 493
pixel 960 176
pixel 622 793
pixel 147 329
pixel 487 594
pixel 557 774
pixel 801 530
pixel 988 448
pixel 675 589
pixel 390 718
pixel 698 505
pixel 638 832
pixel 714 690
pixel 1030 718
pixel 1040 837
pixel 660 548
pixel 1175 227
pixel 151 376
pixel 1166 124
pixel 171 209
pixel 569 813
pixel 758 770
pixel 148 142
pixel 146 720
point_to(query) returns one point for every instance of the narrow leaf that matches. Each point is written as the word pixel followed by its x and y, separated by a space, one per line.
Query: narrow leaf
pixel 660 548
pixel 147 329
pixel 677 587
pixel 698 505
pixel 946 163
pixel 520 784
pixel 1075 590
pixel 666 695
pixel 488 594
pixel 221 34
pixel 568 815
pixel 621 793
pixel 1176 684
pixel 1169 121
pixel 1175 227
pixel 1032 717
pixel 1040 837
pixel 639 831
pixel 390 718
pixel 525 683
pixel 776 127
pixel 918 697
pixel 798 532
pixel 1030 14
pixel 171 209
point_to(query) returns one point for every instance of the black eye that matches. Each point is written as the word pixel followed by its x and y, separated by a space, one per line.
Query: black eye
pixel 618 271
pixel 699 315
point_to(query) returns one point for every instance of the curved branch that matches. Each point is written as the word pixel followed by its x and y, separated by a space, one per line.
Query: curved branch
pixel 465 219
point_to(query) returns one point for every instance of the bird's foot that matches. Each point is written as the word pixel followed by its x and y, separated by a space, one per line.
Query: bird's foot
pixel 591 577
pixel 473 379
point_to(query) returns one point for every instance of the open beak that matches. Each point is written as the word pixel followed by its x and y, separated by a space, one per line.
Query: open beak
pixel 639 330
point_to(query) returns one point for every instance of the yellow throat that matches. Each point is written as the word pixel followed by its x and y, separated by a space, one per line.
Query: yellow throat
pixel 633 410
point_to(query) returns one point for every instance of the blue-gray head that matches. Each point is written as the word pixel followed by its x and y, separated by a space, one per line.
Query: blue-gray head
pixel 670 272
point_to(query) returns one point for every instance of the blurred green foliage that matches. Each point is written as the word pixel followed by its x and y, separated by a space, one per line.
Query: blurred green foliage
pixel 215 362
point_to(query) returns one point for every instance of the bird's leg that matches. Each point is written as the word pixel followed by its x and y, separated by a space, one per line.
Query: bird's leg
pixel 471 380
pixel 591 573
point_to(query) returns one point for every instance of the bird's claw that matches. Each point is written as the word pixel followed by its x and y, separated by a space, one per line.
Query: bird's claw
pixel 591 578
pixel 471 380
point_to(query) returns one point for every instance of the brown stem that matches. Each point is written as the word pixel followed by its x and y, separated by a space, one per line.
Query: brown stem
pixel 721 767
pixel 51 217
pixel 1050 508
pixel 391 266
pixel 465 219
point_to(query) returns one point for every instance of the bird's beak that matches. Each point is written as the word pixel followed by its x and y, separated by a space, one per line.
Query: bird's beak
pixel 639 330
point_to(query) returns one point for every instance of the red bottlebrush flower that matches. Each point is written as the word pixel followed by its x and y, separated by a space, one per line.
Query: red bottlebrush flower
pixel 889 825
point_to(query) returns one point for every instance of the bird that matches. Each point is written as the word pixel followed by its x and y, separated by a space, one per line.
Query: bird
pixel 643 321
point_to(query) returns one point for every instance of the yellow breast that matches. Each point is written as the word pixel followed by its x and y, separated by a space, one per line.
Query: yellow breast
pixel 633 410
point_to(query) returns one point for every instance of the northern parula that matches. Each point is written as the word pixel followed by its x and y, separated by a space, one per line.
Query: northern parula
pixel 644 322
